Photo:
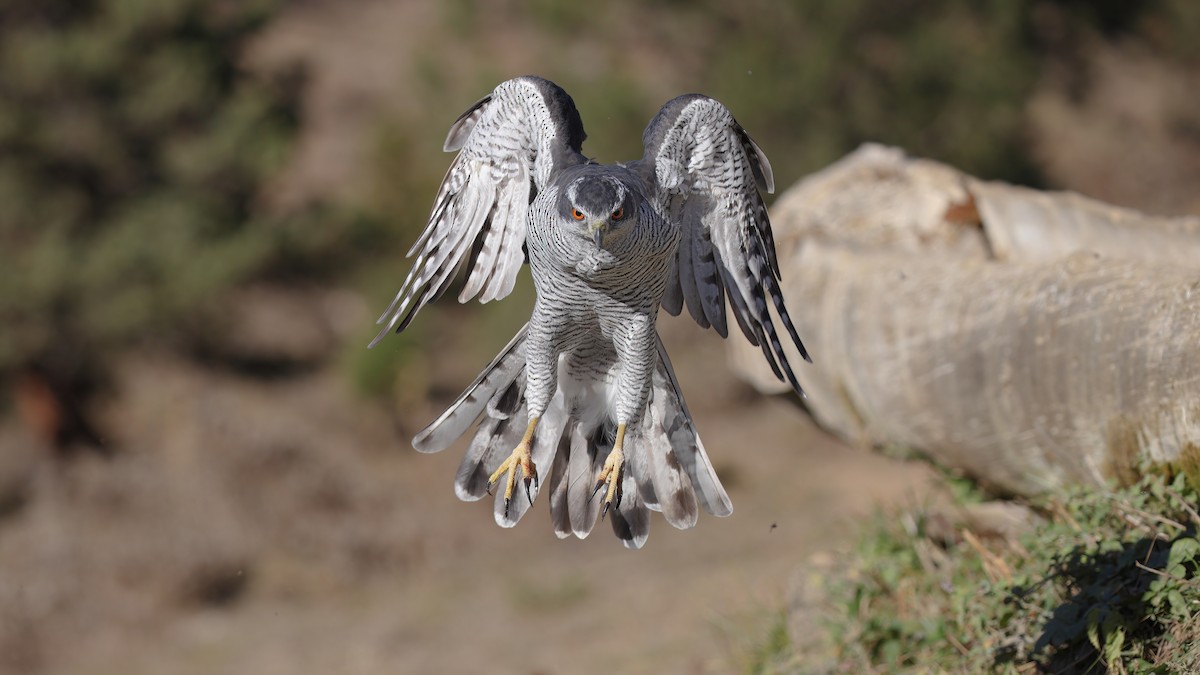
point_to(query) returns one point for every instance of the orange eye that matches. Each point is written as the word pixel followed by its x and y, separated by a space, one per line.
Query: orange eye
pixel 577 214
pixel 618 214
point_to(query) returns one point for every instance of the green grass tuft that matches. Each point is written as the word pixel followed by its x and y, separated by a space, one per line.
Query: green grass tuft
pixel 1105 582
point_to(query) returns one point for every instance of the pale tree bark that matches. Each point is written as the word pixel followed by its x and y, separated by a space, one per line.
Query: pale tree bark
pixel 1028 339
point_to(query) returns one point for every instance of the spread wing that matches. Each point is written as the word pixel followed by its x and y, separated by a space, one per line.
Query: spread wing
pixel 706 172
pixel 511 143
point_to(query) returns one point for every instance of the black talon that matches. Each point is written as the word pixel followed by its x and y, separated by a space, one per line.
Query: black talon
pixel 599 484
pixel 605 511
pixel 528 493
pixel 506 501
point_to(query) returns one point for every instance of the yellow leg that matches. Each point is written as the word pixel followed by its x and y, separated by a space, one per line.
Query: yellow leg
pixel 614 469
pixel 521 457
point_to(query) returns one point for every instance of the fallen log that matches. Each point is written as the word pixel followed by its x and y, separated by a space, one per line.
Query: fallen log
pixel 1027 339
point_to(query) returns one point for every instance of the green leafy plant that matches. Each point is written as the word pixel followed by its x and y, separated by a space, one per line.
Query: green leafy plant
pixel 136 154
pixel 1107 582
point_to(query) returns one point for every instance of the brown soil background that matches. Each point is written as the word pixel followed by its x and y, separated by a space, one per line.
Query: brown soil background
pixel 286 527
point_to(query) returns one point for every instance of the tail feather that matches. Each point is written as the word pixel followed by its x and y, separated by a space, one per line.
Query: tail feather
pixel 631 519
pixel 485 454
pixel 672 486
pixel 667 468
pixel 498 374
pixel 584 465
pixel 559 515
pixel 502 442
pixel 682 436
pixel 470 483
pixel 639 465
pixel 709 490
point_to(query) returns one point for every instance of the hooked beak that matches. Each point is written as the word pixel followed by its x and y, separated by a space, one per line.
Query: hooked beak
pixel 598 229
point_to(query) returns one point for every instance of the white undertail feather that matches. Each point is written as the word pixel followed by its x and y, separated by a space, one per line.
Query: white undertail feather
pixel 666 470
pixel 631 519
pixel 584 462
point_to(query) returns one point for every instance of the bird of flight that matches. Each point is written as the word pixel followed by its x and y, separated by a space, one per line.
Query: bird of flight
pixel 583 401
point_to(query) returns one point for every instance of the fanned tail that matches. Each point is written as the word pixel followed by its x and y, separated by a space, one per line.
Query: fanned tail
pixel 666 470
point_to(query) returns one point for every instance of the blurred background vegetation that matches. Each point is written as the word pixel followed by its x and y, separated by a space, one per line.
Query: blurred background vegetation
pixel 137 150
pixel 143 152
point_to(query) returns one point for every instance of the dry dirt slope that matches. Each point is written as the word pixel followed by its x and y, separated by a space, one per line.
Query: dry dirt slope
pixel 283 527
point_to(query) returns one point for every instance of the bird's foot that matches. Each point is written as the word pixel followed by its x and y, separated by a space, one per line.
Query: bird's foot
pixel 612 473
pixel 522 459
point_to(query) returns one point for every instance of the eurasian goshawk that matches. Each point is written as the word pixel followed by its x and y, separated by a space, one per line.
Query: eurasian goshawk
pixel 585 391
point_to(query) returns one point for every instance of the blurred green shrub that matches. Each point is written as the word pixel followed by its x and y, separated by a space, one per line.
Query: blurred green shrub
pixel 136 151
pixel 810 79
pixel 1106 583
pixel 813 79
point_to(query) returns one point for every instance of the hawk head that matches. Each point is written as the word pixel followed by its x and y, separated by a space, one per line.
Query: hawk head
pixel 598 206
